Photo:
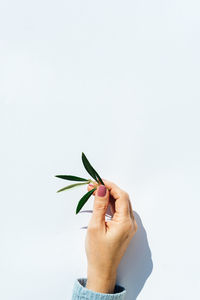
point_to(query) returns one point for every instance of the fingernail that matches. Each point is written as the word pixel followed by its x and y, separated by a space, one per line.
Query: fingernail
pixel 91 185
pixel 101 191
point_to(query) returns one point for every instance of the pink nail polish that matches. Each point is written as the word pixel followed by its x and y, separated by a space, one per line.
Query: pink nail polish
pixel 101 191
pixel 91 185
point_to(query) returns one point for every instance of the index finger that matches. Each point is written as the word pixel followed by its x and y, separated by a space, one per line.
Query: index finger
pixel 120 197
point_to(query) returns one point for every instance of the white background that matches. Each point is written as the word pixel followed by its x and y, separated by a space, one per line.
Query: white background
pixel 118 80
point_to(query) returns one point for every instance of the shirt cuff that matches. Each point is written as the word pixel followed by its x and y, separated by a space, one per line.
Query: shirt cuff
pixel 81 292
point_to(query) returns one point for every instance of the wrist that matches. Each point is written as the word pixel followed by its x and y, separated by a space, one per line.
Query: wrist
pixel 101 282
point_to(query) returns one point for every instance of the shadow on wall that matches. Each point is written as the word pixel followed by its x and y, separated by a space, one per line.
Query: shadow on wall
pixel 136 265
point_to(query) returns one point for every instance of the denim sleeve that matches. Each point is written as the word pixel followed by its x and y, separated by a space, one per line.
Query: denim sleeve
pixel 80 292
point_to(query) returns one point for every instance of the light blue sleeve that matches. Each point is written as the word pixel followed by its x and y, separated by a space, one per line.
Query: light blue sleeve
pixel 80 292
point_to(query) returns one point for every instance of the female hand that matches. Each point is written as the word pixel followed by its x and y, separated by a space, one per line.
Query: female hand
pixel 107 241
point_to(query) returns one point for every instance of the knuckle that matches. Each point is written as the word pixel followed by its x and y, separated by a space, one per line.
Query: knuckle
pixel 100 206
pixel 134 230
pixel 129 227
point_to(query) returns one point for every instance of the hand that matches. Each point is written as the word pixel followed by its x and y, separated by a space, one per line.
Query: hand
pixel 107 241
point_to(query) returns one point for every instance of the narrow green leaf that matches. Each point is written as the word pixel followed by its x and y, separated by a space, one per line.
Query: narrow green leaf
pixel 84 199
pixel 90 169
pixel 88 166
pixel 70 177
pixel 99 178
pixel 72 185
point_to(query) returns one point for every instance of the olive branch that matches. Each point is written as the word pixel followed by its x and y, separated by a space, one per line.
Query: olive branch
pixel 82 181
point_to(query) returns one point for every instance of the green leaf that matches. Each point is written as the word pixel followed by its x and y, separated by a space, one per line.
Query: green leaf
pixel 70 177
pixel 84 199
pixel 90 169
pixel 72 185
pixel 99 178
pixel 88 166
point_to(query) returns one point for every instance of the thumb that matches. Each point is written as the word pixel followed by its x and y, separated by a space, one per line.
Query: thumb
pixel 101 202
